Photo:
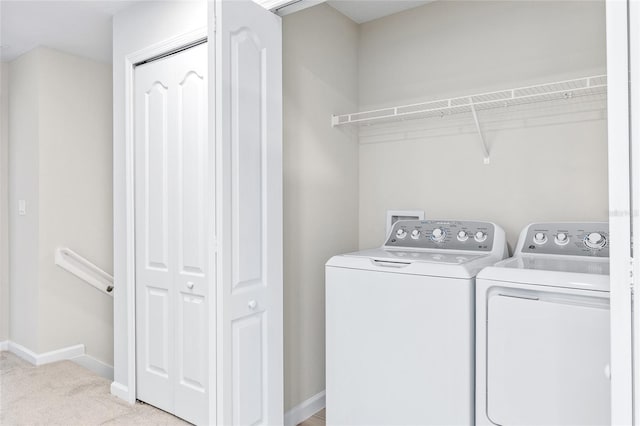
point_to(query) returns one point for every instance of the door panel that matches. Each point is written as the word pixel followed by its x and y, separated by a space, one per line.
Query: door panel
pixel 155 136
pixel 192 146
pixel 249 229
pixel 154 316
pixel 172 272
pixel 248 408
pixel 247 140
pixel 157 332
pixel 192 362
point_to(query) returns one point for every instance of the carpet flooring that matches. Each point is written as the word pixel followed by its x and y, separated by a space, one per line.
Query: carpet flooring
pixel 63 393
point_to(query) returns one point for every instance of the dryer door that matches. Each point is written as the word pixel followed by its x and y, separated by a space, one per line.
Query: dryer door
pixel 547 358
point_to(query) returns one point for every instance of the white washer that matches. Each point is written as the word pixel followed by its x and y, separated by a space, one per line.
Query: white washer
pixel 400 323
pixel 542 335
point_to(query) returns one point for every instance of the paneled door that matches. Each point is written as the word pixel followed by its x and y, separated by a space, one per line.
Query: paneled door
pixel 249 141
pixel 173 184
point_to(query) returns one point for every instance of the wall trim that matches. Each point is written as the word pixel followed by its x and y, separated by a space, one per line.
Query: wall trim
pixel 74 353
pixel 305 409
pixel 119 390
pixel 97 366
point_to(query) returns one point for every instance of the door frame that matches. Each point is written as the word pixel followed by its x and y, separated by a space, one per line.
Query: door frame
pixel 621 215
pixel 163 47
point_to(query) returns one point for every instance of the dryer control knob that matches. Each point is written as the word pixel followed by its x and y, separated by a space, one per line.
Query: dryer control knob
pixel 415 234
pixel 595 240
pixel 480 236
pixel 401 233
pixel 561 239
pixel 540 238
pixel 463 236
pixel 438 235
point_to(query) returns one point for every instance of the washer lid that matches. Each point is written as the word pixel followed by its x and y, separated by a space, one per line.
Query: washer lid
pixel 555 271
pixel 455 258
pixel 429 263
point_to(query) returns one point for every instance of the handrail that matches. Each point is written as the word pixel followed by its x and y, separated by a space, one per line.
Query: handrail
pixel 72 262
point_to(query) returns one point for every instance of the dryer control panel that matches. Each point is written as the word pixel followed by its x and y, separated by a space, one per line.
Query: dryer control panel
pixel 442 235
pixel 567 238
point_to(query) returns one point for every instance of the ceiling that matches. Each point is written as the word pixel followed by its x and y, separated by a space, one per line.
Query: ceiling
pixel 361 11
pixel 83 27
pixel 80 27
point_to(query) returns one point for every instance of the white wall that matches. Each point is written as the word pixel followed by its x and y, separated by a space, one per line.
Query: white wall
pixel 320 181
pixel 4 201
pixel 60 145
pixel 136 28
pixel 544 169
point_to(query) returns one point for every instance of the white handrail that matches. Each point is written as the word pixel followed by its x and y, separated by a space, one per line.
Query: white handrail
pixel 72 262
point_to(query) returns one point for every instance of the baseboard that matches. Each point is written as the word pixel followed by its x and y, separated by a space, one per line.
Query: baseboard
pixel 119 390
pixel 24 353
pixel 60 355
pixel 4 345
pixel 306 409
pixel 92 364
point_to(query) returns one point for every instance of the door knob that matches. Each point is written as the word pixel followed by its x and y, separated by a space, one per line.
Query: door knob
pixel 190 285
pixel 252 304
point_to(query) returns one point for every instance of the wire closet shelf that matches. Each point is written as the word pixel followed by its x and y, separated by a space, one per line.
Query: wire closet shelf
pixel 568 89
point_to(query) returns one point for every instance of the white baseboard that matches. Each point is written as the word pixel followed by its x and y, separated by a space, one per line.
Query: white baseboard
pixel 47 357
pixel 4 345
pixel 24 353
pixel 92 364
pixel 59 355
pixel 72 353
pixel 306 409
pixel 120 390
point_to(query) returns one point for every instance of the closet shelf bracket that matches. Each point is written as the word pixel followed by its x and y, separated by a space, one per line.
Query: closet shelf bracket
pixel 483 144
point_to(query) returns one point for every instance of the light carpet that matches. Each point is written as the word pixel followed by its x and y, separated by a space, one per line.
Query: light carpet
pixel 63 393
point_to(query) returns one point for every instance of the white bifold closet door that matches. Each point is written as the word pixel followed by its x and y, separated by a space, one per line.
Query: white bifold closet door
pixel 172 184
pixel 249 143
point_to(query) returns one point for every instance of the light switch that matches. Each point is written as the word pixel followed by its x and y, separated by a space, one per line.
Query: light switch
pixel 22 207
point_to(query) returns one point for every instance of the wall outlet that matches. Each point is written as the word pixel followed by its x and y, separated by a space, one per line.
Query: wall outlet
pixel 22 207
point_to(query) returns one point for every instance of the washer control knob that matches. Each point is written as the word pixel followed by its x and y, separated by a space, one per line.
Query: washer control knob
pixel 540 238
pixel 463 236
pixel 562 239
pixel 415 234
pixel 438 235
pixel 595 240
pixel 480 236
pixel 401 233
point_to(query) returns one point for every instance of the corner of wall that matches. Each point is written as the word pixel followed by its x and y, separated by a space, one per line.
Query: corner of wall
pixel 320 171
pixel 4 202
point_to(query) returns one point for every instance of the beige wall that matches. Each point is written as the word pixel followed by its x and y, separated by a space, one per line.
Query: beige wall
pixel 550 168
pixel 75 205
pixel 320 182
pixel 60 144
pixel 23 185
pixel 4 201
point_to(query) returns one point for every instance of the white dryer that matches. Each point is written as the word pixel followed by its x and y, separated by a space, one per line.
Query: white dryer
pixel 542 330
pixel 400 324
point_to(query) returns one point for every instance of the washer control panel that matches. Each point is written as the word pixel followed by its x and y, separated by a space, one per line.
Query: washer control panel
pixel 575 239
pixel 442 235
